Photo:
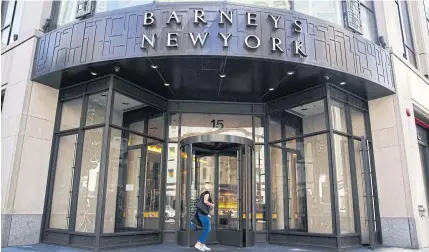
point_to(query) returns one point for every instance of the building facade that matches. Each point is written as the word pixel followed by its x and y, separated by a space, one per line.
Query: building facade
pixel 306 120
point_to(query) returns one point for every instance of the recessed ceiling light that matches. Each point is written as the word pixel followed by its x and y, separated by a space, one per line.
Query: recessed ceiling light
pixel 167 84
pixel 343 83
pixel 103 94
pixel 117 69
pixel 290 73
pixel 154 66
pixel 271 89
pixel 125 103
pixel 222 75
pixel 93 73
pixel 304 109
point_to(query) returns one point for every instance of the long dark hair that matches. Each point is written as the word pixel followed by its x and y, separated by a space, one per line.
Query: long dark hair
pixel 204 194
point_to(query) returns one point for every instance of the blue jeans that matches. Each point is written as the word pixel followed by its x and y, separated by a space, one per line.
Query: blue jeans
pixel 205 220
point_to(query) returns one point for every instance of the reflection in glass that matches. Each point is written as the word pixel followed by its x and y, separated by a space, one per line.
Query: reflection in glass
pixel 369 25
pixel 171 195
pixel 156 125
pixel 338 113
pixel 259 129
pixel 96 112
pixel 202 177
pixel 88 183
pixel 66 12
pixel 361 192
pixel 199 124
pixel 152 187
pixel 307 169
pixel 298 121
pixel 329 10
pixel 260 188
pixel 344 187
pixel 184 169
pixel 173 130
pixel 128 113
pixel 108 5
pixel 71 114
pixel 281 4
pixel 63 181
pixel 358 122
pixel 122 188
pixel 228 192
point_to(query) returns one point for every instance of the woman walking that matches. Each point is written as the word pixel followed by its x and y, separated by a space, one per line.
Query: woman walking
pixel 203 209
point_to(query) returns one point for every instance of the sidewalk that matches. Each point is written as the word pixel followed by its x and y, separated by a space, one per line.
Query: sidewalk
pixel 168 247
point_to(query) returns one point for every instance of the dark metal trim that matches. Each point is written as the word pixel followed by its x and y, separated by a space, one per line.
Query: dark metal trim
pixel 336 227
pixel 163 179
pixel 102 179
pixel 144 135
pixel 216 138
pixel 268 172
pixel 303 136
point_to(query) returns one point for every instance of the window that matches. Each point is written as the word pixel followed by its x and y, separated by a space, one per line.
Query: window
pixel 329 10
pixel 367 17
pixel 407 37
pixel 11 12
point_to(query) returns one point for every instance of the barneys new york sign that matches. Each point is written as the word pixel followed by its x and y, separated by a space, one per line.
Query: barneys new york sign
pixel 252 42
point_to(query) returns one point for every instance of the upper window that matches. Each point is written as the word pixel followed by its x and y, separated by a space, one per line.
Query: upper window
pixel 407 36
pixel 11 12
pixel 329 10
pixel 367 16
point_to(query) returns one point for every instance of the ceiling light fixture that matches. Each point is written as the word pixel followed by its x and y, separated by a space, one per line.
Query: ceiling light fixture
pixel 290 73
pixel 327 77
pixel 93 73
pixel 167 84
pixel 304 109
pixel 154 66
pixel 125 103
pixel 116 68
pixel 103 94
pixel 343 83
pixel 222 75
pixel 271 89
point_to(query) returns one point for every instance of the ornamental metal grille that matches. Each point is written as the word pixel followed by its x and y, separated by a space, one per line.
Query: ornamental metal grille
pixel 354 21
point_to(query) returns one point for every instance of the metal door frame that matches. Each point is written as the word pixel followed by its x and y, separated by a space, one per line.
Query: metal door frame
pixel 184 236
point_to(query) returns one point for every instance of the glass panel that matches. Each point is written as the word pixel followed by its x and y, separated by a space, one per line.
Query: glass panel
pixel 156 125
pixel 96 112
pixel 358 122
pixel 63 182
pixel 259 129
pixel 173 130
pixel 363 212
pixel 152 187
pixel 17 19
pixel 6 12
pixel 202 177
pixel 309 186
pixel 88 183
pixel 305 119
pixel 426 6
pixel 184 169
pixel 228 192
pixel 66 12
pixel 5 36
pixel 338 113
pixel 275 127
pixel 411 55
pixel 108 5
pixel 369 25
pixel 128 113
pixel 171 195
pixel 70 114
pixel 281 4
pixel 344 185
pixel 329 10
pixel 407 25
pixel 260 171
pixel 278 181
pixel 198 124
pixel 122 188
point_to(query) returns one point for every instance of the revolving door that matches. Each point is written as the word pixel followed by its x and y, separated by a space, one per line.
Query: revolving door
pixel 222 165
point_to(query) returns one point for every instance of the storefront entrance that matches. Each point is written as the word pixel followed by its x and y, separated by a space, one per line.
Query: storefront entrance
pixel 222 165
